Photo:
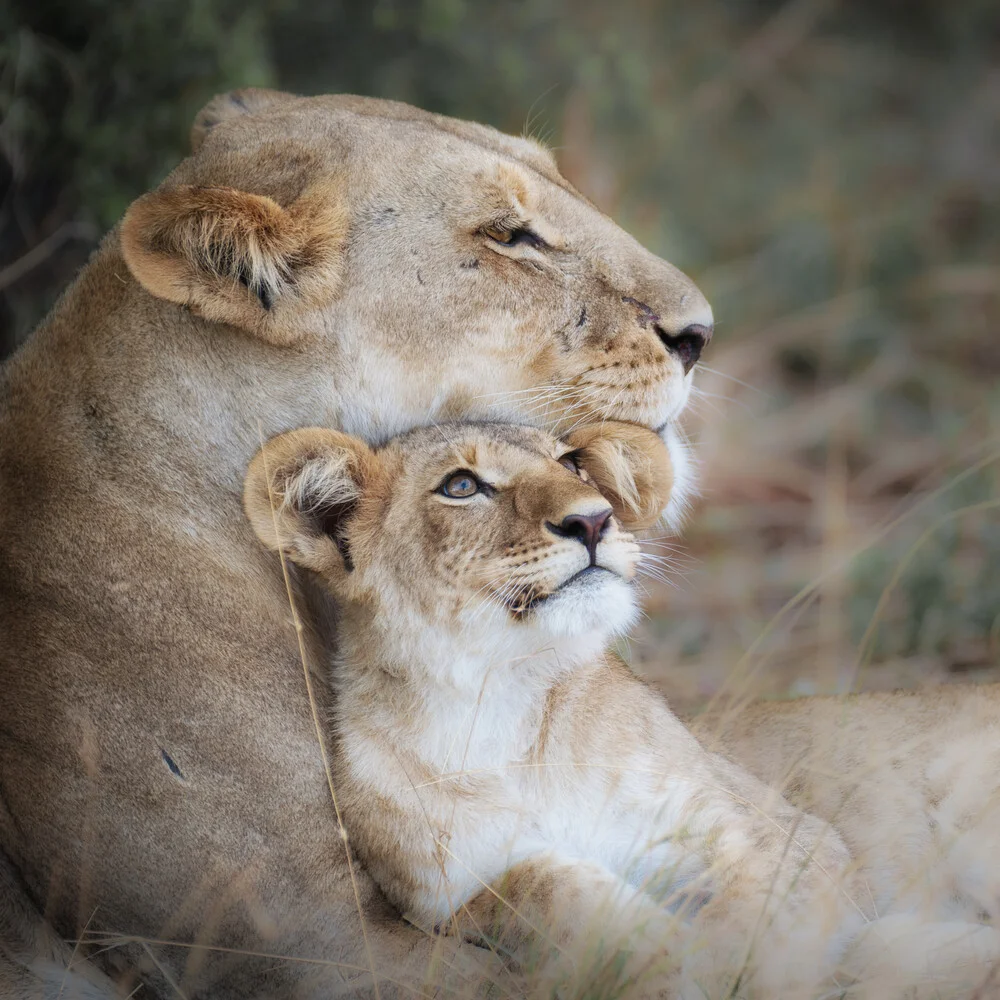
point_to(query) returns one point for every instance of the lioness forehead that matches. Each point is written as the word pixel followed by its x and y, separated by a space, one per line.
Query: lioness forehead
pixel 314 119
pixel 529 151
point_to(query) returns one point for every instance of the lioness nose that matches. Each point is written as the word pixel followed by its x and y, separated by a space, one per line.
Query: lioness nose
pixel 686 345
pixel 585 528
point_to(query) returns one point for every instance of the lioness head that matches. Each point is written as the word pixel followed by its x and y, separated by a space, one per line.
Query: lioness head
pixel 438 268
pixel 481 531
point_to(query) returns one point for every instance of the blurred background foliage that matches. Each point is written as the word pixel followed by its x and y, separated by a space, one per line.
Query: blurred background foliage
pixel 828 171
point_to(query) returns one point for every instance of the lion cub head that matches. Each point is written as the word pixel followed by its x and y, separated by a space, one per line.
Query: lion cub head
pixel 482 533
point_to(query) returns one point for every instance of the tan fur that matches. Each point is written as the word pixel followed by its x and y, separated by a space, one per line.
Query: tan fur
pixel 910 779
pixel 501 775
pixel 228 255
pixel 159 767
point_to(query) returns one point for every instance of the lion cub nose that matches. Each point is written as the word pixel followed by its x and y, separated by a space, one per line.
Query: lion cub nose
pixel 585 528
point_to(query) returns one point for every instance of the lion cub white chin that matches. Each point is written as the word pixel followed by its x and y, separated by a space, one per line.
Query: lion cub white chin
pixel 504 777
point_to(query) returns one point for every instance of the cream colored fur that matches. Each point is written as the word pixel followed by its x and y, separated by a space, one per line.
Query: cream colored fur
pixel 911 779
pixel 329 260
pixel 508 780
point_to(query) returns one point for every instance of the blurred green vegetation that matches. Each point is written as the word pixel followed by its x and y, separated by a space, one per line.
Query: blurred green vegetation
pixel 828 171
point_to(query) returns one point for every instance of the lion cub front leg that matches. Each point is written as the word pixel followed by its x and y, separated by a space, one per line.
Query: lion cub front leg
pixel 574 926
pixel 786 900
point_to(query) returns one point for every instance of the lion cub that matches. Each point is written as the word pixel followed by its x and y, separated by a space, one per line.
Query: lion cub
pixel 501 774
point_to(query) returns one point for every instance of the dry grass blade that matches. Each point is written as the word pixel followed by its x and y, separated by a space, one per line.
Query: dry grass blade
pixel 320 737
pixel 112 939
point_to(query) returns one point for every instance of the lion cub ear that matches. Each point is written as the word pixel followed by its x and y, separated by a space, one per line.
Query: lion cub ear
pixel 630 465
pixel 236 257
pixel 302 489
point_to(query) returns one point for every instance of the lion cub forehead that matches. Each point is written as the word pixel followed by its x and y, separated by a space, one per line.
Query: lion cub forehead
pixel 484 447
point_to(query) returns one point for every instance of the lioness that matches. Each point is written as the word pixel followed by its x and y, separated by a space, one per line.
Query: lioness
pixel 338 261
pixel 502 775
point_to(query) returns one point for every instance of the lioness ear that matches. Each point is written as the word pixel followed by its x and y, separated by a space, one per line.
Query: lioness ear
pixel 235 104
pixel 302 489
pixel 236 257
pixel 630 465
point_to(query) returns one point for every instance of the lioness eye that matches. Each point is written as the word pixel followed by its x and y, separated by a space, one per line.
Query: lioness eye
pixel 459 485
pixel 513 237
pixel 505 236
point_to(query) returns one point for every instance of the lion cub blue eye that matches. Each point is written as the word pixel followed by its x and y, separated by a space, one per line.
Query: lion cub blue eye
pixel 461 484
pixel 569 462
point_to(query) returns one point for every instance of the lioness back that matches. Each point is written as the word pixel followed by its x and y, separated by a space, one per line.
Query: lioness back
pixel 911 779
pixel 335 261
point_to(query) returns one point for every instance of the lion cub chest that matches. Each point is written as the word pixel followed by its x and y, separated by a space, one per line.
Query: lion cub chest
pixel 445 802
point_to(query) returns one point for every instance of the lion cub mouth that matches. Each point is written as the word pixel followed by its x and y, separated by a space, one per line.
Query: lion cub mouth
pixel 530 597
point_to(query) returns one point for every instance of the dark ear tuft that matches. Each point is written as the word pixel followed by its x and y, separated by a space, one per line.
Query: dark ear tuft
pixel 239 258
pixel 235 104
pixel 301 491
pixel 246 277
pixel 331 519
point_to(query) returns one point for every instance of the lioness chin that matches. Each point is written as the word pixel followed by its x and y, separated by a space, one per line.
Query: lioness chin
pixel 338 261
pixel 506 779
